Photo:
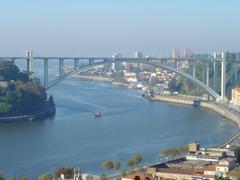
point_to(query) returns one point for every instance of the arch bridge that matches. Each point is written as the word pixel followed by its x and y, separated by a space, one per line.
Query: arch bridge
pixel 154 61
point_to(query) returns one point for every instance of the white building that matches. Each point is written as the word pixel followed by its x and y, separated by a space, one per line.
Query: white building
pixel 3 84
pixel 117 65
pixel 138 54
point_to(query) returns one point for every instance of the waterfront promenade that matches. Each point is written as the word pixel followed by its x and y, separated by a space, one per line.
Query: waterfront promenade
pixel 219 108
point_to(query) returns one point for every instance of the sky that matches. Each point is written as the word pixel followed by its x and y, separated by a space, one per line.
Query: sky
pixel 103 27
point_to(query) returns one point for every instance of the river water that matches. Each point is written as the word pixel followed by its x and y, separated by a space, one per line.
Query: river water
pixel 130 124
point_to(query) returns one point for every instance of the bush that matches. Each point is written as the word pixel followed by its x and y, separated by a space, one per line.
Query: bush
pixel 45 176
pixel 66 171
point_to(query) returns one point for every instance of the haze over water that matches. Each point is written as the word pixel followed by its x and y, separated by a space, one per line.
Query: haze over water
pixel 130 124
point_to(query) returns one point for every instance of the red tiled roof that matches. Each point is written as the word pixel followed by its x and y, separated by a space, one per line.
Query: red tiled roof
pixel 142 176
pixel 177 171
pixel 210 168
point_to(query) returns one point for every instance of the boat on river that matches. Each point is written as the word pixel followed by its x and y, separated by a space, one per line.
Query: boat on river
pixel 97 114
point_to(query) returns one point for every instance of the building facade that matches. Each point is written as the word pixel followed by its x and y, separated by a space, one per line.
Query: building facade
pixel 236 96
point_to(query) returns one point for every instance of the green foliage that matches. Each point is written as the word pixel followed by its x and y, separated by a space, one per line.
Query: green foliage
pixel 123 173
pixel 222 178
pixel 174 152
pixel 107 164
pixel 130 163
pixel 137 159
pixel 68 172
pixel 117 165
pixel 102 177
pixel 134 161
pixel 118 76
pixel 174 86
pixel 45 176
pixel 23 178
pixel 23 95
pixel 1 175
pixel 8 72
pixel 13 178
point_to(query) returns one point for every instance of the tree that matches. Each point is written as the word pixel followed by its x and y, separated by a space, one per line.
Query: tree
pixel 23 95
pixel 137 159
pixel 117 165
pixel 107 164
pixel 23 178
pixel 66 171
pixel 137 178
pixel 130 163
pixel 174 152
pixel 13 178
pixel 123 173
pixel 1 175
pixel 102 177
pixel 45 176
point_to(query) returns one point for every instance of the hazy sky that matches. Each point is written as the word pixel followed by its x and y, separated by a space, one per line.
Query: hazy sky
pixel 102 27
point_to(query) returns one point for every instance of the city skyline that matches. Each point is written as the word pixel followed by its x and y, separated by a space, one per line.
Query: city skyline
pixel 91 28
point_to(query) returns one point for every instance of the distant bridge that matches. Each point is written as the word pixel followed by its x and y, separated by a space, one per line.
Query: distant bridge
pixel 154 61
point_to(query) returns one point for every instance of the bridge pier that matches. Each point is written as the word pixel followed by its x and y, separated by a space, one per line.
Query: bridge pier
pixel 76 63
pixel 13 60
pixel 29 56
pixel 215 72
pixel 207 74
pixel 235 75
pixel 45 73
pixel 161 61
pixel 203 73
pixel 194 70
pixel 223 77
pixel 61 71
pixel 90 61
pixel 29 66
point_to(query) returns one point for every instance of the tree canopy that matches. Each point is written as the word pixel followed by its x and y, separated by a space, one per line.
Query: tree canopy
pixel 107 164
pixel 23 95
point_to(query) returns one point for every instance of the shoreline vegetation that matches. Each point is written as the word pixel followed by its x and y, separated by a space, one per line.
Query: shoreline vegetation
pixel 183 100
pixel 22 97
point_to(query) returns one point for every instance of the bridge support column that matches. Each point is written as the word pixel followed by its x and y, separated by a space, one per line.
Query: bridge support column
pixel 138 67
pixel 215 76
pixel 207 74
pixel 13 60
pixel 194 70
pixel 235 75
pixel 76 64
pixel 29 66
pixel 175 64
pixel 61 71
pixel 29 56
pixel 223 77
pixel 45 73
pixel 90 61
pixel 203 73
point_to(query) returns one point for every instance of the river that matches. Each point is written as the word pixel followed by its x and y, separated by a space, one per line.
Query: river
pixel 130 124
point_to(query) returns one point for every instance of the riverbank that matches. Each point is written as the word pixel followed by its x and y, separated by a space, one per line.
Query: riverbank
pixel 104 79
pixel 48 112
pixel 217 108
pixel 222 110
pixel 183 100
pixel 177 99
pixel 95 78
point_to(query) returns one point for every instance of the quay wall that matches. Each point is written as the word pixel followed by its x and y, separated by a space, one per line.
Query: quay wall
pixel 205 104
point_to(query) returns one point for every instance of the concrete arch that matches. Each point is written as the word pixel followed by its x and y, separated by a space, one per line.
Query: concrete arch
pixel 207 89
